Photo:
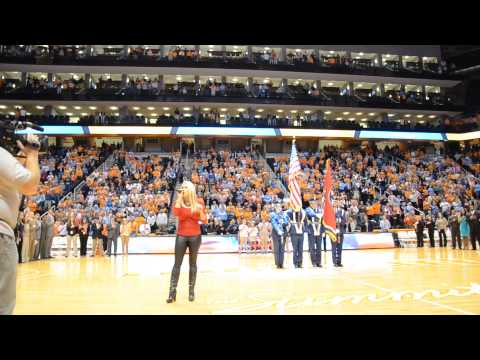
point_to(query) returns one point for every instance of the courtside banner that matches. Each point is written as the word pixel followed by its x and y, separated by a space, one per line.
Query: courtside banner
pixel 211 244
pixel 55 130
pixel 130 130
pixel 318 133
pixel 225 131
pixel 465 136
pixel 400 135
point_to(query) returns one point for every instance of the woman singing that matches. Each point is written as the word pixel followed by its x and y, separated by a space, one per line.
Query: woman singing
pixel 190 212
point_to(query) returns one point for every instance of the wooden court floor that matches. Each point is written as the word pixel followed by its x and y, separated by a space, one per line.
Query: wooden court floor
pixel 393 281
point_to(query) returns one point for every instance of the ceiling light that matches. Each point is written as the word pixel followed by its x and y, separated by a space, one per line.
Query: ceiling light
pixel 62 107
pixel 408 115
pixel 371 114
pixel 346 113
pixel 338 118
pixel 332 52
pixel 280 111
pixel 391 115
pixel 307 111
pixel 84 114
pixel 361 54
pixel 187 109
pixel 359 113
pixel 166 108
pixel 3 107
pixel 206 109
pixel 330 84
pixel 260 110
pixel 150 108
pixel 364 119
pixel 223 109
pixel 113 108
pixel 69 114
pixel 11 113
pixel 77 107
pixel 92 107
pixel 419 116
pixel 116 114
pixel 351 119
pixel 136 108
pixel 153 114
pixel 360 85
pixel 432 116
pixel 328 112
pixel 39 107
pixel 139 114
pixel 293 111
pixel 241 109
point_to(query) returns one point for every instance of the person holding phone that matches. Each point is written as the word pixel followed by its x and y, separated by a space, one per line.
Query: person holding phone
pixel 190 212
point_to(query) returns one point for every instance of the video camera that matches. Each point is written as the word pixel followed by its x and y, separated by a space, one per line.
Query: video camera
pixel 8 138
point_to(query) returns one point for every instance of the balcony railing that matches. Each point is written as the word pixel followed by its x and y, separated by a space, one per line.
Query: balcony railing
pixel 437 103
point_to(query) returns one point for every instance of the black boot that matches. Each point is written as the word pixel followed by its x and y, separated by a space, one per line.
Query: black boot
pixel 172 296
pixel 191 283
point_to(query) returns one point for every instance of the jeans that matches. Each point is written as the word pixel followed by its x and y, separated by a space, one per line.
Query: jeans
pixel 8 274
pixel 181 243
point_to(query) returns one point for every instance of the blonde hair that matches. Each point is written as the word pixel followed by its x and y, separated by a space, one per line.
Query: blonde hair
pixel 190 194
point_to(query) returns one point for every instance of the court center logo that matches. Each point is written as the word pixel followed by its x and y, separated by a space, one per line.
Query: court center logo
pixel 288 301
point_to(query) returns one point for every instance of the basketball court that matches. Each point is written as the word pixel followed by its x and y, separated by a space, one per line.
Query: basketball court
pixel 383 281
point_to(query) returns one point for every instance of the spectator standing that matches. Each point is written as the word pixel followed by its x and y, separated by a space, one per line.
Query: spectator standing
pixel 125 231
pixel 72 231
pixel 441 225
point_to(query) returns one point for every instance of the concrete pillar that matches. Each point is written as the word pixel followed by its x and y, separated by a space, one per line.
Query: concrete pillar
pixel 420 63
pixel 284 84
pixel 250 83
pixel 123 111
pixel 250 53
pixel 47 110
pixel 124 80
pixel 88 80
pixel 379 60
pixel 88 50
pixel 381 89
pixel 424 92
pixel 24 78
pixel 283 54
pixel 161 82
pixel 351 89
pixel 318 84
pixel 400 61
pixel 125 50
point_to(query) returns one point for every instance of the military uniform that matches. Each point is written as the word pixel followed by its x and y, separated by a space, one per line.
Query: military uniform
pixel 278 233
pixel 337 245
pixel 297 227
pixel 315 232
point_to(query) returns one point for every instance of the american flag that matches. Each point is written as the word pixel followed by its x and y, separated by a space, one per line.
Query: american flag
pixel 293 186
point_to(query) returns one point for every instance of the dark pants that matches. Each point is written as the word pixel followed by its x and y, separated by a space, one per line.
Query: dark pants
pixel 278 248
pixel 83 244
pixel 456 239
pixel 419 239
pixel 431 237
pixel 442 235
pixel 337 250
pixel 181 243
pixel 315 249
pixel 297 245
pixel 109 246
pixel 474 237
pixel 105 243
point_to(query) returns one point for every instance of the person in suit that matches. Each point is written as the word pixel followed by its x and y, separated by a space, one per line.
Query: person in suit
pixel 47 235
pixel 84 230
pixel 104 236
pixel 97 238
pixel 314 230
pixel 441 225
pixel 474 229
pixel 38 237
pixel 113 234
pixel 430 225
pixel 455 230
pixel 419 228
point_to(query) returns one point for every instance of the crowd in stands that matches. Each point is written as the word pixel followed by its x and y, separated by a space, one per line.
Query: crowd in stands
pixel 389 189
pixel 141 54
pixel 238 191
